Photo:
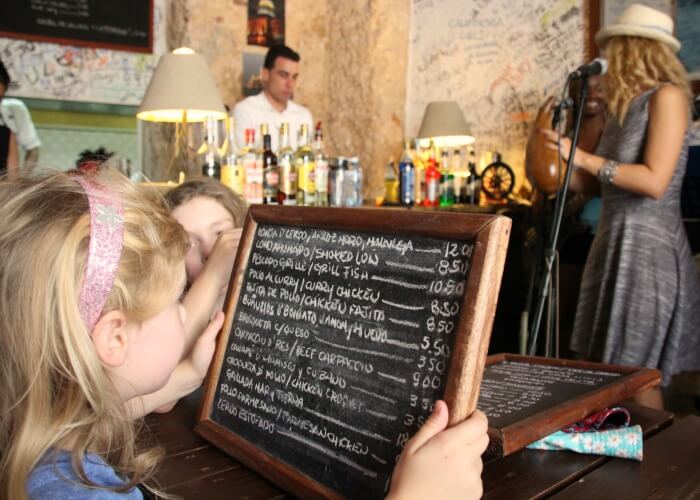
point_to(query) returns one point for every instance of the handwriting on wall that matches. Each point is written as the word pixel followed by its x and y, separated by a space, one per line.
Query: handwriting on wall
pixel 339 346
pixel 53 71
pixel 498 59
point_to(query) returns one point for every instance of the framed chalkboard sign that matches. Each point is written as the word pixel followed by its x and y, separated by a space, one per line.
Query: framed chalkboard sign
pixel 528 397
pixel 343 326
pixel 123 25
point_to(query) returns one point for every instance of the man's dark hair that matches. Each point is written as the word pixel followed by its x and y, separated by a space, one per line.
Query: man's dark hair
pixel 4 76
pixel 279 51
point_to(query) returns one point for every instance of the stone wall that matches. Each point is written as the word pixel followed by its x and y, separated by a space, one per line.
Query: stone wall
pixel 352 75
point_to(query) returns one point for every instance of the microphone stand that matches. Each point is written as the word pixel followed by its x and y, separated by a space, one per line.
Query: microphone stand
pixel 550 250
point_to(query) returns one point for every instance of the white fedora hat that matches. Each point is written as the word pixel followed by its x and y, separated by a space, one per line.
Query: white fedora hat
pixel 640 20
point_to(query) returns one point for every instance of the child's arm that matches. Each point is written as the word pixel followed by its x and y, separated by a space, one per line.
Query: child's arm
pixel 210 285
pixel 186 378
pixel 442 463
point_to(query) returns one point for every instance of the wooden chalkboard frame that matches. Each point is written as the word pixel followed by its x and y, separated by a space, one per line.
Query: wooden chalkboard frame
pixel 68 40
pixel 511 438
pixel 489 234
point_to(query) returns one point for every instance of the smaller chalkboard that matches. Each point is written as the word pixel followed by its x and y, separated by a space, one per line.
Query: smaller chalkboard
pixel 527 397
pixel 123 25
pixel 343 326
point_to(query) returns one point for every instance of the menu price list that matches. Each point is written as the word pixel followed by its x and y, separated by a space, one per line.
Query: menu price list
pixel 339 347
pixel 513 390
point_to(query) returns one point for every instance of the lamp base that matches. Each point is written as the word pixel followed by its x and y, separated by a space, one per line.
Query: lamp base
pixel 179 164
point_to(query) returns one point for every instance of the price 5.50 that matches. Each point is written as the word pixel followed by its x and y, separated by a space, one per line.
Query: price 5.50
pixel 437 347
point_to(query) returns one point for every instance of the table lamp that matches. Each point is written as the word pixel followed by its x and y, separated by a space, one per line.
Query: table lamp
pixel 181 91
pixel 444 124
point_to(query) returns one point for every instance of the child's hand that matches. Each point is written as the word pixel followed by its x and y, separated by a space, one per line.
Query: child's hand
pixel 220 260
pixel 186 377
pixel 442 463
pixel 203 350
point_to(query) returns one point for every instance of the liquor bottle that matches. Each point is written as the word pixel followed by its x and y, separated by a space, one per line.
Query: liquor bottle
pixel 304 162
pixel 407 177
pixel 259 146
pixel 353 184
pixel 232 173
pixel 419 169
pixel 391 183
pixel 473 183
pixel 287 193
pixel 271 173
pixel 211 166
pixel 447 181
pixel 253 176
pixel 460 175
pixel 432 181
pixel 338 175
pixel 321 168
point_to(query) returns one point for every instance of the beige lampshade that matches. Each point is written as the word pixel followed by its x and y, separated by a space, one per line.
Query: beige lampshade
pixel 444 123
pixel 181 82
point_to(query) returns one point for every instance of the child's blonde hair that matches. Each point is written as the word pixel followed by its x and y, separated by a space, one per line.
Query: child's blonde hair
pixel 56 394
pixel 638 64
pixel 213 189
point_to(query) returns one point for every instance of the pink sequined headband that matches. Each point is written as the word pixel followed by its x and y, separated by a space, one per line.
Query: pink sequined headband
pixel 104 249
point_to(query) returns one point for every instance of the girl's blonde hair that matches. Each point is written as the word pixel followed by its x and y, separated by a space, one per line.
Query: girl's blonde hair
pixel 213 189
pixel 638 64
pixel 56 394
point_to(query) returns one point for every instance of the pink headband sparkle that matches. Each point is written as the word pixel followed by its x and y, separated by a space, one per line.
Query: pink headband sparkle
pixel 104 249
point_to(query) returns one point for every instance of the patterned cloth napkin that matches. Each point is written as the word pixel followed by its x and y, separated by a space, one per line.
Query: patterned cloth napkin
pixel 604 433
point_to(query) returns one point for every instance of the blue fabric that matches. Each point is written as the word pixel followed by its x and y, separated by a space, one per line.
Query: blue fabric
pixel 54 479
pixel 591 213
pixel 625 442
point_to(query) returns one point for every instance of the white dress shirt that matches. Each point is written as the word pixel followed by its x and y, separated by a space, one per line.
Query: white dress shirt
pixel 15 116
pixel 254 110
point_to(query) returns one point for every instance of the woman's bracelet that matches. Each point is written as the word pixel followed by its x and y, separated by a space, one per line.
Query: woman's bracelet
pixel 607 172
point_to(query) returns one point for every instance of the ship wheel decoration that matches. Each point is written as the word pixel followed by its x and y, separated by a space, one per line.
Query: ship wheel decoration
pixel 497 179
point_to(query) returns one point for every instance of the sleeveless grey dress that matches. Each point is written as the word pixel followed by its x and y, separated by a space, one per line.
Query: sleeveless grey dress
pixel 640 294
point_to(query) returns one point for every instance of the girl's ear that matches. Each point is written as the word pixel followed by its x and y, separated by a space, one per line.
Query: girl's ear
pixel 110 338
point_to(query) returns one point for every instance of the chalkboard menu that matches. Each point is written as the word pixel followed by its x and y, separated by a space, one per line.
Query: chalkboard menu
pixel 123 25
pixel 527 398
pixel 341 333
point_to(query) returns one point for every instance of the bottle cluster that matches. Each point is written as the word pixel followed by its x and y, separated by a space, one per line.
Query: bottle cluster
pixel 305 176
pixel 433 182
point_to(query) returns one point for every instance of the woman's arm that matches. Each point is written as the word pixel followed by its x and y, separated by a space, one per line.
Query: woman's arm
pixel 668 121
pixel 584 182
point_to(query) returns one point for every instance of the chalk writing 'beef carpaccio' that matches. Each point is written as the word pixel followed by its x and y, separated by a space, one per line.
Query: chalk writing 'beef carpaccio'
pixel 339 346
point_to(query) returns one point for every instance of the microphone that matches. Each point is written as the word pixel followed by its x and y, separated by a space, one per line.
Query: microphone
pixel 597 66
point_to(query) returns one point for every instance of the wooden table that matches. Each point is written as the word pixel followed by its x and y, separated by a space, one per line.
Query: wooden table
pixel 195 469
pixel 670 469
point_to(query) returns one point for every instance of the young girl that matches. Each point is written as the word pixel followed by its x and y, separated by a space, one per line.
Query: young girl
pixel 212 216
pixel 96 322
